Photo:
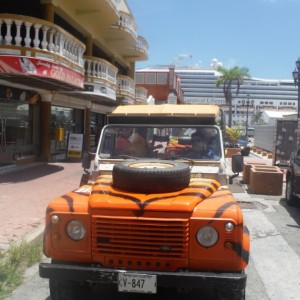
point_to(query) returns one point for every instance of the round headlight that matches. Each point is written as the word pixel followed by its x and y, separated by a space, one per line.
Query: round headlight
pixel 76 230
pixel 207 236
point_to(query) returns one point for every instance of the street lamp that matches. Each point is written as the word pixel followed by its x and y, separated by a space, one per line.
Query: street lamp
pixel 248 103
pixel 296 76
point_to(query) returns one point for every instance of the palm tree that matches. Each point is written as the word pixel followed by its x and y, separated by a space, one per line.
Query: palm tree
pixel 231 79
pixel 257 119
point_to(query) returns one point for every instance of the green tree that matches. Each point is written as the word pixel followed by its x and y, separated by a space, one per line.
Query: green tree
pixel 257 119
pixel 231 80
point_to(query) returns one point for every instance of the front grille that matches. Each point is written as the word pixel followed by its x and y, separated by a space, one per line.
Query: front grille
pixel 157 238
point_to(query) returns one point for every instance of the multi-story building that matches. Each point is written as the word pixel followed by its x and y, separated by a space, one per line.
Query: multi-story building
pixel 199 86
pixel 63 65
pixel 162 84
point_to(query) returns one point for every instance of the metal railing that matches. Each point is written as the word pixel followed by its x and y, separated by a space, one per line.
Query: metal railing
pixel 27 32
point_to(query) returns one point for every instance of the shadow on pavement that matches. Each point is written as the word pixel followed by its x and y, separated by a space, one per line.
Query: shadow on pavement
pixel 236 186
pixel 27 174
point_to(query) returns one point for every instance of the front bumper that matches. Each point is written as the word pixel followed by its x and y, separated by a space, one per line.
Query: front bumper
pixel 183 279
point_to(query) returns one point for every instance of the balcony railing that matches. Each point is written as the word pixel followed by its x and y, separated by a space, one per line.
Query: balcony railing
pixel 142 44
pixel 19 32
pixel 126 21
pixel 98 68
pixel 126 86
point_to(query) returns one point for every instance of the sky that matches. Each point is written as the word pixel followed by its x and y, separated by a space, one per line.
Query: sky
pixel 261 35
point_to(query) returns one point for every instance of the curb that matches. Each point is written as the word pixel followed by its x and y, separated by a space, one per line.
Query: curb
pixel 28 237
pixel 33 234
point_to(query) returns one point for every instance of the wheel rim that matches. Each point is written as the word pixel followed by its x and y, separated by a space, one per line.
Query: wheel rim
pixel 151 165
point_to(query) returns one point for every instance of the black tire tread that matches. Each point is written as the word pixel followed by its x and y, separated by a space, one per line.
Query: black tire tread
pixel 151 180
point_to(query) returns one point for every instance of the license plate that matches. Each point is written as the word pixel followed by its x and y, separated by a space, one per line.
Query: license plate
pixel 136 283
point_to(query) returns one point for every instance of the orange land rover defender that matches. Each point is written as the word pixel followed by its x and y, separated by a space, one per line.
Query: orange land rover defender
pixel 155 210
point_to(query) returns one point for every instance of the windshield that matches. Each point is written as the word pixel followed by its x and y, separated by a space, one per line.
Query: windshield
pixel 196 143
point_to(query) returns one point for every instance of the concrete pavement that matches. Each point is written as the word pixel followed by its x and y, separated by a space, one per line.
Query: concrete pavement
pixel 25 192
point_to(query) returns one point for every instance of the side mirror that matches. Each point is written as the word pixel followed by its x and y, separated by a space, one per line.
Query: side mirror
pixel 237 166
pixel 86 160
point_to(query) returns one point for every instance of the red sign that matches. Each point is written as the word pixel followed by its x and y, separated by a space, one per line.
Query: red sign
pixel 40 68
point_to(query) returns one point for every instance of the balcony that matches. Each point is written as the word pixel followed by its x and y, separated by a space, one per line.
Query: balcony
pixel 126 89
pixel 100 70
pixel 100 78
pixel 124 31
pixel 139 52
pixel 39 54
pixel 111 27
pixel 141 95
pixel 94 15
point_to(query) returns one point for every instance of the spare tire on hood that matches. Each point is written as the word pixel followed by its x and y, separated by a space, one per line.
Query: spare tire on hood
pixel 151 176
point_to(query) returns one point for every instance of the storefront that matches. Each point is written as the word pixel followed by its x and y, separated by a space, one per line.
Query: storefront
pixel 75 115
pixel 22 126
pixel 19 112
pixel 64 120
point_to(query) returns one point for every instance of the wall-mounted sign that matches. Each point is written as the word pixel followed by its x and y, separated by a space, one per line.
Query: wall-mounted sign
pixel 40 68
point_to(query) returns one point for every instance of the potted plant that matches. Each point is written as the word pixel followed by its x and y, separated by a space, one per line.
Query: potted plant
pixel 232 135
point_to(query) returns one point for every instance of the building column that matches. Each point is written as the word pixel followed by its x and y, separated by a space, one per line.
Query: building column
pixel 131 71
pixel 49 10
pixel 89 46
pixel 87 126
pixel 112 60
pixel 45 125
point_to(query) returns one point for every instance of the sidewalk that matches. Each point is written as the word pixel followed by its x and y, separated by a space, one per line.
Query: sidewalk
pixel 25 192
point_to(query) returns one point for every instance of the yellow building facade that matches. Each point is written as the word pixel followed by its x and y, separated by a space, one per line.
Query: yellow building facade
pixel 64 64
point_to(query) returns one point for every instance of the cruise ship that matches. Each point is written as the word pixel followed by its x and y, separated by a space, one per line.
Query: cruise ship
pixel 199 87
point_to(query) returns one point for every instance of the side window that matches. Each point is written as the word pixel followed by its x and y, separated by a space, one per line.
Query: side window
pixel 107 146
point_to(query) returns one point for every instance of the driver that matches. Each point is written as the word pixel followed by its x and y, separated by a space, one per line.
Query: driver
pixel 123 143
pixel 139 144
pixel 199 148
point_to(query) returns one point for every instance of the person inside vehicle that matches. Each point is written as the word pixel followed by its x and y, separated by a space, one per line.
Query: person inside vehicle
pixel 210 135
pixel 199 147
pixel 123 143
pixel 140 146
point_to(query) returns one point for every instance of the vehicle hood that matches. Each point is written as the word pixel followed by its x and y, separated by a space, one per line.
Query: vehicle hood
pixel 105 196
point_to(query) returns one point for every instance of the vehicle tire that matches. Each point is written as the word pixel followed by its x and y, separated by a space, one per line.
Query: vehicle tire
pixel 290 198
pixel 151 176
pixel 68 290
